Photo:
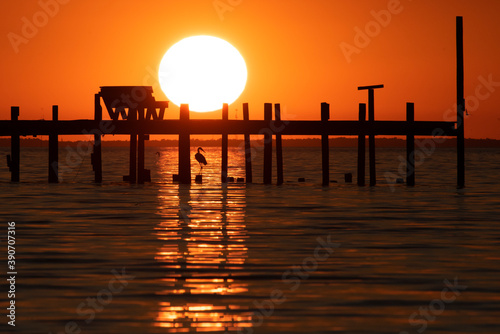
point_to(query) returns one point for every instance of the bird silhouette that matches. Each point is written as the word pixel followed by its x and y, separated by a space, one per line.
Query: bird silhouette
pixel 201 159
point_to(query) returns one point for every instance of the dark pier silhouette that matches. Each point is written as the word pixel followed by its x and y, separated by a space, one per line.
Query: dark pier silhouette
pixel 371 137
pixel 141 115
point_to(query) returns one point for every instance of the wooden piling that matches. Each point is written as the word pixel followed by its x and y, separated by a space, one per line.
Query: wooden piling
pixel 460 106
pixel 248 149
pixel 15 147
pixel 325 148
pixel 410 145
pixel 371 137
pixel 268 144
pixel 141 173
pixel 225 117
pixel 279 144
pixel 132 117
pixel 361 146
pixel 54 150
pixel 97 150
pixel 141 137
pixel 184 147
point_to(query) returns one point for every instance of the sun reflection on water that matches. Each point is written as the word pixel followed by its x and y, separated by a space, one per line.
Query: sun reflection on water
pixel 203 238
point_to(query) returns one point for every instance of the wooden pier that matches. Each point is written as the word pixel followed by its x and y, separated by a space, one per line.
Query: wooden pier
pixel 141 116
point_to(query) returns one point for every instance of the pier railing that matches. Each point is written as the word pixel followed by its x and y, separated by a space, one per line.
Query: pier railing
pixel 140 129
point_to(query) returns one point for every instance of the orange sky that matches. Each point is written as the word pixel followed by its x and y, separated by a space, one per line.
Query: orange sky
pixel 292 49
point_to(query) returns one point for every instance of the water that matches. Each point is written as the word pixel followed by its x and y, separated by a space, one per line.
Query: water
pixel 166 258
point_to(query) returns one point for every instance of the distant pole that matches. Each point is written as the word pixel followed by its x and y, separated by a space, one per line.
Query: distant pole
pixel 325 148
pixel 132 117
pixel 361 145
pixel 460 105
pixel 184 147
pixel 248 149
pixel 279 145
pixel 268 145
pixel 410 145
pixel 54 150
pixel 97 154
pixel 15 147
pixel 225 117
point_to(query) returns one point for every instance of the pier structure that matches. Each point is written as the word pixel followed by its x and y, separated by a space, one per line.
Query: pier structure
pixel 133 111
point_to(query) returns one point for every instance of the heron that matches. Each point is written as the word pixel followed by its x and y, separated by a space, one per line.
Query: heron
pixel 200 158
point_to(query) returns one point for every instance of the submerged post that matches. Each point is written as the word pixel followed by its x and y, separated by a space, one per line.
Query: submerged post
pixel 325 148
pixel 460 105
pixel 361 145
pixel 268 145
pixel 225 117
pixel 97 150
pixel 54 150
pixel 248 149
pixel 279 144
pixel 410 145
pixel 184 147
pixel 15 148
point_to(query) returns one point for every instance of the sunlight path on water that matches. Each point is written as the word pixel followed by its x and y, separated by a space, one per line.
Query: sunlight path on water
pixel 165 258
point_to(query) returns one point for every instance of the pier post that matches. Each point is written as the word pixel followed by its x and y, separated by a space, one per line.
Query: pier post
pixel 460 105
pixel 361 145
pixel 371 137
pixel 141 172
pixel 97 149
pixel 184 147
pixel 279 144
pixel 225 117
pixel 248 149
pixel 15 147
pixel 54 150
pixel 268 144
pixel 410 145
pixel 132 117
pixel 141 176
pixel 325 148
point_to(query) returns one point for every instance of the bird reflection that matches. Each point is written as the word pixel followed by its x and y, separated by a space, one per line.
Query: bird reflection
pixel 203 245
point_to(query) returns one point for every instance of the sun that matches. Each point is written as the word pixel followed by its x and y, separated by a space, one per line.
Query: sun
pixel 204 72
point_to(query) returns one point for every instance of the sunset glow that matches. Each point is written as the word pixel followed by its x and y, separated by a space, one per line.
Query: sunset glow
pixel 204 72
pixel 298 55
pixel 231 166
